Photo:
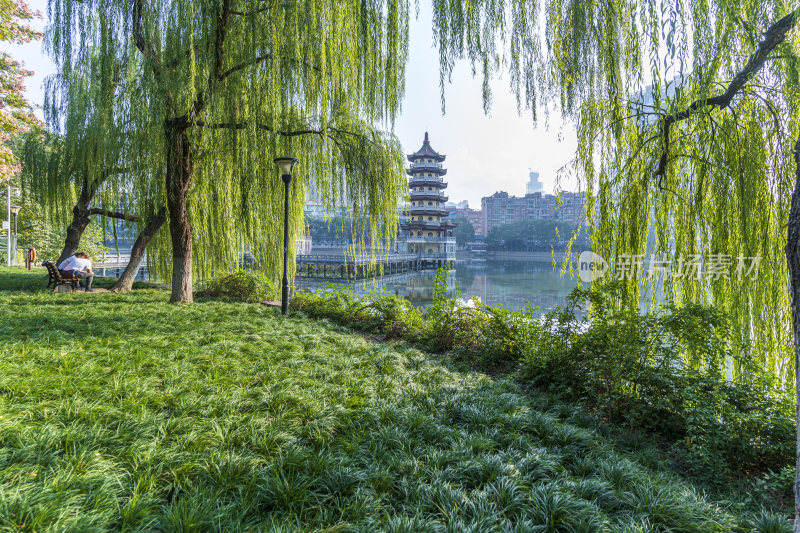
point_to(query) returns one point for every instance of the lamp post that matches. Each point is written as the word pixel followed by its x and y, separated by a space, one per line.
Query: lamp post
pixel 11 190
pixel 285 166
pixel 14 211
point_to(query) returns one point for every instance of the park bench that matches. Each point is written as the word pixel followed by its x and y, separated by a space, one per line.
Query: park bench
pixel 55 278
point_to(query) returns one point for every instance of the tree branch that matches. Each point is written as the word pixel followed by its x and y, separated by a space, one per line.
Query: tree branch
pixel 112 214
pixel 222 31
pixel 138 36
pixel 242 65
pixel 261 59
pixel 250 13
pixel 774 36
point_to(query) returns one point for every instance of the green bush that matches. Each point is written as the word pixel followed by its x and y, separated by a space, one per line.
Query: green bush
pixel 666 374
pixel 244 285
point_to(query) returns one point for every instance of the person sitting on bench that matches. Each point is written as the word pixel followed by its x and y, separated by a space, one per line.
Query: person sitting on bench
pixel 78 266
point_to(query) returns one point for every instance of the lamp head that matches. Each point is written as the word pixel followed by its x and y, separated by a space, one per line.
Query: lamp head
pixel 15 209
pixel 286 164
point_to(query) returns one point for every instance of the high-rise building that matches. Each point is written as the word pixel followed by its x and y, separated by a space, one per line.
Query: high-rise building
pixel 500 208
pixel 428 232
pixel 534 185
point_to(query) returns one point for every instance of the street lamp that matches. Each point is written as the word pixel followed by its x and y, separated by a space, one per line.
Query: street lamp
pixel 11 190
pixel 14 211
pixel 285 166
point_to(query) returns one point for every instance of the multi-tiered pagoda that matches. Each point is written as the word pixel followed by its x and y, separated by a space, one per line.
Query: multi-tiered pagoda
pixel 428 233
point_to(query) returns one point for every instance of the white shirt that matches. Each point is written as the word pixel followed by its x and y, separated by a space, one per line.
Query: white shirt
pixel 67 263
pixel 81 265
pixel 75 263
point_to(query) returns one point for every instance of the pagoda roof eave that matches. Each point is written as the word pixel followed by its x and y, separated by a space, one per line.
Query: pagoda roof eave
pixel 416 224
pixel 426 151
pixel 415 171
pixel 420 154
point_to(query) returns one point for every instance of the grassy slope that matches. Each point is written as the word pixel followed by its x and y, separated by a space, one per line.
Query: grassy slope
pixel 122 411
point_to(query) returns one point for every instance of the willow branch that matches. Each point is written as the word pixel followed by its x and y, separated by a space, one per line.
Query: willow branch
pixel 260 59
pixel 328 132
pixel 222 31
pixel 250 13
pixel 138 36
pixel 245 64
pixel 112 214
pixel 774 36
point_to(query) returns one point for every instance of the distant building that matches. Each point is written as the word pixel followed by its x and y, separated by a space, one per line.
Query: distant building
pixel 500 208
pixel 534 185
pixel 317 207
pixel 428 232
pixel 475 216
pixel 304 244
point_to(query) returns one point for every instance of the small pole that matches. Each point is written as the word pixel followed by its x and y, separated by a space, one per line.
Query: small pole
pixel 16 262
pixel 287 179
pixel 8 234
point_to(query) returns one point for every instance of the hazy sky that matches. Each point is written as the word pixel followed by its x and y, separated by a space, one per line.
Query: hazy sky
pixel 485 154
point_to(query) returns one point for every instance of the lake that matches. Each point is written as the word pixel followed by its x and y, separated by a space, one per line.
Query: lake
pixel 510 283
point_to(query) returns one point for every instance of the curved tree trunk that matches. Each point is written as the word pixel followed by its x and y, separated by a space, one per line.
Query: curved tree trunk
pixel 178 177
pixel 75 230
pixel 154 223
pixel 793 260
pixel 80 220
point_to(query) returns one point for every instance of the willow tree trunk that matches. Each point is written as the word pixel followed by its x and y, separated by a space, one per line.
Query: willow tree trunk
pixel 80 220
pixel 178 176
pixel 793 260
pixel 153 224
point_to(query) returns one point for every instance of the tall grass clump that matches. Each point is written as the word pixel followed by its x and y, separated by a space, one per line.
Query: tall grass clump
pixel 244 285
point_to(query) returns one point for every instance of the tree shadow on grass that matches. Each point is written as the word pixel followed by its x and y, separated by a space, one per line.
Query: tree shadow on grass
pixel 35 281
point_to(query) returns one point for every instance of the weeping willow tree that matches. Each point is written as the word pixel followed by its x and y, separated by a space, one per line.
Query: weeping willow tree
pixel 61 178
pixel 688 144
pixel 206 94
pixel 87 173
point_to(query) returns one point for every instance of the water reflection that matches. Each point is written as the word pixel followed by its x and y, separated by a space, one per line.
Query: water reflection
pixel 512 284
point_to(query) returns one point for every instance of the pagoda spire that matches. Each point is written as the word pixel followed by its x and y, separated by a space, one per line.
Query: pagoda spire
pixel 426 152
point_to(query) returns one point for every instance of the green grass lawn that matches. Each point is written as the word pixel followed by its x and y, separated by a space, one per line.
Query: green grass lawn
pixel 125 412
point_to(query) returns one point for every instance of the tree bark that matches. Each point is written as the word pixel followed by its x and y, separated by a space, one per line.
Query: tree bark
pixel 154 223
pixel 178 179
pixel 793 261
pixel 74 233
pixel 80 220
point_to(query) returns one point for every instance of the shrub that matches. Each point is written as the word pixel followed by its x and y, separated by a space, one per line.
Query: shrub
pixel 244 285
pixel 665 373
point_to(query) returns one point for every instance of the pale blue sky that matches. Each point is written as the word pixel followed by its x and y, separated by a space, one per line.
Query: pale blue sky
pixel 485 154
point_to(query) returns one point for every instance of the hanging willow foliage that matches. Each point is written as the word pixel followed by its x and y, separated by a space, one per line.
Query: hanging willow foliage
pixel 668 167
pixel 686 115
pixel 198 96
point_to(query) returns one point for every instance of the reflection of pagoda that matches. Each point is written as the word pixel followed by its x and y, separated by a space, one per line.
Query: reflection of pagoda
pixel 428 233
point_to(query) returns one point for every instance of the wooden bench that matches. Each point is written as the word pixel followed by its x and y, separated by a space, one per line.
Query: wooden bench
pixel 55 278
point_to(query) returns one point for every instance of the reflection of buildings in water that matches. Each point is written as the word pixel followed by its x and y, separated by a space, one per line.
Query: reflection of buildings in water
pixel 512 284
pixel 420 287
pixel 417 286
pixel 515 284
